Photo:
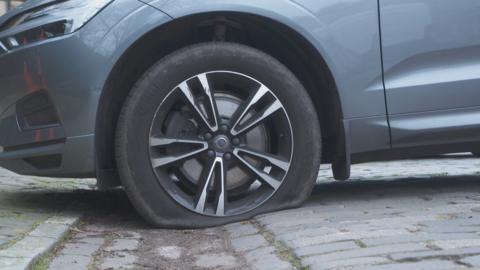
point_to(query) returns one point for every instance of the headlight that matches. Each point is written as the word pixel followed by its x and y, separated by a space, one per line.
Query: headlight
pixel 51 20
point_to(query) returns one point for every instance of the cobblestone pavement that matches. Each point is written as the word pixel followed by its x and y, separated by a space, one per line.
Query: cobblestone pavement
pixel 33 216
pixel 422 214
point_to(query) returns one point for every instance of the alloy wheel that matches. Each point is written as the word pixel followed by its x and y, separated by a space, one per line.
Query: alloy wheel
pixel 221 143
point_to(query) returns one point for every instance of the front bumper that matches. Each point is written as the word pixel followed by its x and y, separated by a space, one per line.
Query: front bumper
pixel 70 71
pixel 63 145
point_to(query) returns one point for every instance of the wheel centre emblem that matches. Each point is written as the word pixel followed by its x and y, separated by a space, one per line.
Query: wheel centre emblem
pixel 221 142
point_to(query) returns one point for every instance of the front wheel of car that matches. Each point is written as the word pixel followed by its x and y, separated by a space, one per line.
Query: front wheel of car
pixel 217 133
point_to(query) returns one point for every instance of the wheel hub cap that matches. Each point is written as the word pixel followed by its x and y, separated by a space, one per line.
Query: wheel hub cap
pixel 221 143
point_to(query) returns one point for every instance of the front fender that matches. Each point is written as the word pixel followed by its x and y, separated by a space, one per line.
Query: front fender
pixel 346 34
pixel 103 42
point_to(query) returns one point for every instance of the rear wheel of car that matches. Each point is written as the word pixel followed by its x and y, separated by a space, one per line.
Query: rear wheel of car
pixel 477 154
pixel 217 133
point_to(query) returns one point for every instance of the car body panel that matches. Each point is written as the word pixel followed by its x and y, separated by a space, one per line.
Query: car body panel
pixel 431 53
pixel 436 128
pixel 73 69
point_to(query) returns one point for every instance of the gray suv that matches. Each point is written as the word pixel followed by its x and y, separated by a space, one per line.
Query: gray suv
pixel 209 112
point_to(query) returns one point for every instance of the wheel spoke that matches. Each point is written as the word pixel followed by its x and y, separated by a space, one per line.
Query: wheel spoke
pixel 275 161
pixel 166 160
pixel 211 98
pixel 220 189
pixel 243 110
pixel 163 141
pixel 204 184
pixel 254 120
pixel 187 92
pixel 263 177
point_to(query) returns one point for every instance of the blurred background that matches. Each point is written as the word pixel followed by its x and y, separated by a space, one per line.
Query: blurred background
pixel 5 5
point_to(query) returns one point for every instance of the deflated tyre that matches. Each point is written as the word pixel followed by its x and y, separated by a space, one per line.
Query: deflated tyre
pixel 217 133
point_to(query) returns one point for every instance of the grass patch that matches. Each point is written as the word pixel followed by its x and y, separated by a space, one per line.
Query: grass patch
pixel 42 263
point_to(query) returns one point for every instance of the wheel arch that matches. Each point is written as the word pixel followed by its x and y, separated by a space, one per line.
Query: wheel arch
pixel 296 52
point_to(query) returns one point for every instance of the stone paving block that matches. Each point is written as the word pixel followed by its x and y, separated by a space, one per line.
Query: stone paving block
pixel 214 244
pixel 71 262
pixel 28 247
pixel 121 260
pixel 472 260
pixel 123 245
pixel 435 253
pixel 170 252
pixel 366 252
pixel 81 249
pixel 247 243
pixel 7 263
pixel 241 229
pixel 8 231
pixel 458 243
pixel 88 234
pixel 445 221
pixel 346 263
pixel 456 220
pixel 326 248
pixel 257 254
pixel 396 221
pixel 289 213
pixel 355 219
pixel 288 222
pixel 445 210
pixel 308 233
pixel 220 260
pixel 418 237
pixel 423 265
pixel 450 228
pixel 17 213
pixel 344 236
pixel 66 219
pixel 78 254
pixel 130 234
pixel 17 224
pixel 265 259
pixel 96 241
pixel 269 262
pixel 50 230
pixel 5 239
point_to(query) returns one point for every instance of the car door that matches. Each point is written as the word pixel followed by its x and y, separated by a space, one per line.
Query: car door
pixel 431 61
